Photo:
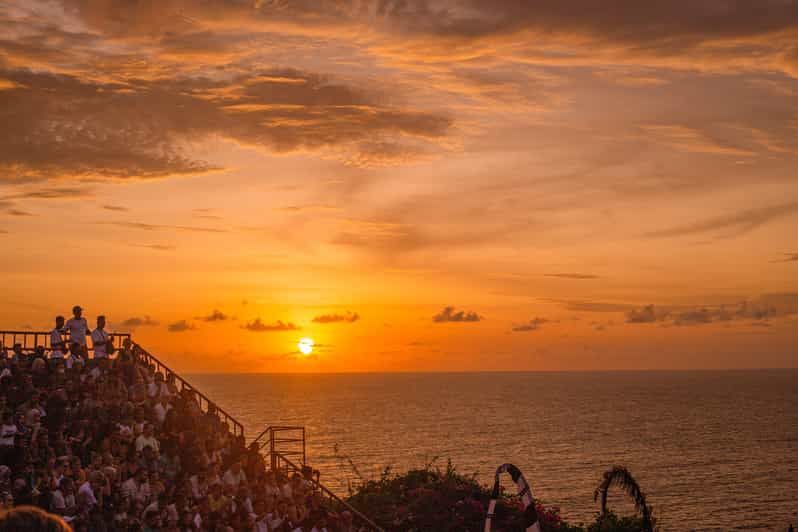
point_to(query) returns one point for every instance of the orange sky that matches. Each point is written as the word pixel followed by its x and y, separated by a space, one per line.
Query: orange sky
pixel 586 187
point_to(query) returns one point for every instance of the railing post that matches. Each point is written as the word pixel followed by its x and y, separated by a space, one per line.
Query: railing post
pixel 272 456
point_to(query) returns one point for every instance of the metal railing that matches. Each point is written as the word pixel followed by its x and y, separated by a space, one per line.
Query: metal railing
pixel 30 340
pixel 283 462
pixel 149 359
pixel 286 442
pixel 8 339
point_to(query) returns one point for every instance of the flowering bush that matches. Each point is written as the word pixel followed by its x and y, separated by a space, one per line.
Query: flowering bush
pixel 431 499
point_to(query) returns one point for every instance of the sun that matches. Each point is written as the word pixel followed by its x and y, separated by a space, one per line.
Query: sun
pixel 305 346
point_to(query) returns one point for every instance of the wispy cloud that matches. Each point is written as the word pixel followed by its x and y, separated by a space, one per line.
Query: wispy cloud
pixel 731 224
pixel 448 314
pixel 17 212
pixel 349 317
pixel 259 326
pixel 532 325
pixel 181 326
pixel 580 276
pixel 115 208
pixel 158 247
pixel 145 321
pixel 593 306
pixel 52 193
pixel 159 227
pixel 788 257
pixel 765 307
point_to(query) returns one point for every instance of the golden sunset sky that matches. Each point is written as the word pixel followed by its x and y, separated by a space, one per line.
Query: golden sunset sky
pixel 417 185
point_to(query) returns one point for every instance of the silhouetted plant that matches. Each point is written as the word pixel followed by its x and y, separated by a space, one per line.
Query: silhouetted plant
pixel 621 477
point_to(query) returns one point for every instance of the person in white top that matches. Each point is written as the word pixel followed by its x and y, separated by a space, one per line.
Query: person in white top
pixel 235 475
pixel 57 343
pixel 99 338
pixel 78 327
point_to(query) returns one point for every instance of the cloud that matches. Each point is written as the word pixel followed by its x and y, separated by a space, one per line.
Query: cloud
pixel 116 208
pixel 765 307
pixel 349 317
pixel 157 227
pixel 17 212
pixel 448 314
pixel 258 326
pixel 788 257
pixel 134 322
pixel 731 224
pixel 594 306
pixel 140 128
pixel 158 247
pixel 181 326
pixel 693 140
pixel 216 315
pixel 572 275
pixel 531 325
pixel 52 193
pixel 646 314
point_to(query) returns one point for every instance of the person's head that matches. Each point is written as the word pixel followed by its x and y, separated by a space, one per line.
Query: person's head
pixel 59 322
pixel 18 348
pixel 148 429
pixel 96 479
pixel 8 418
pixel 77 311
pixel 100 322
pixel 142 475
pixel 31 519
pixel 235 467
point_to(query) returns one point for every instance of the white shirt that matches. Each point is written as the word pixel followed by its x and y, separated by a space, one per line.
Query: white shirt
pixel 98 338
pixel 231 479
pixel 56 339
pixel 7 433
pixel 85 489
pixel 77 330
pixel 142 441
pixel 160 411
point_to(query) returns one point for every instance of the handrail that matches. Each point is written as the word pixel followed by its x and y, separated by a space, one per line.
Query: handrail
pixel 276 455
pixel 46 336
pixel 329 493
pixel 150 359
pixel 238 428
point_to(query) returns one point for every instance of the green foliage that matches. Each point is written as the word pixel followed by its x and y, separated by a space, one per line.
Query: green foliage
pixel 621 477
pixel 443 500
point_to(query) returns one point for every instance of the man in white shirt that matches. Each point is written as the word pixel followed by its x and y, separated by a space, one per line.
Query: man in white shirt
pixel 78 327
pixel 161 408
pixel 147 438
pixel 57 343
pixel 99 338
pixel 235 475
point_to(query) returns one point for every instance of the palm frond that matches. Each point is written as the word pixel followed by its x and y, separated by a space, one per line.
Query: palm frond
pixel 621 477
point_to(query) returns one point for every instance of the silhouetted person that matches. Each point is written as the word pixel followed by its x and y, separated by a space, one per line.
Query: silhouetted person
pixel 99 338
pixel 790 529
pixel 78 330
pixel 31 519
pixel 57 343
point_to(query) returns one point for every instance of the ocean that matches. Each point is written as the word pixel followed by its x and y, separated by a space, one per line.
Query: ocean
pixel 713 450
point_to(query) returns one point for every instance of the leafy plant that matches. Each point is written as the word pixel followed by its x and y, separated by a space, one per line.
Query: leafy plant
pixel 621 477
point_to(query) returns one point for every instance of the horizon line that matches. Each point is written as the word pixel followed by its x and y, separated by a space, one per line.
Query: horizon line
pixel 476 372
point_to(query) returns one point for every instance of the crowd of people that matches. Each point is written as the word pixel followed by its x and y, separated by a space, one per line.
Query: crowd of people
pixel 108 443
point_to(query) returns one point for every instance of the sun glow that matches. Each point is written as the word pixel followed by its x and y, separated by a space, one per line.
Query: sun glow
pixel 305 346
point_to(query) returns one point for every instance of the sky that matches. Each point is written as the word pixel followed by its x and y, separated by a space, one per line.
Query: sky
pixel 416 185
